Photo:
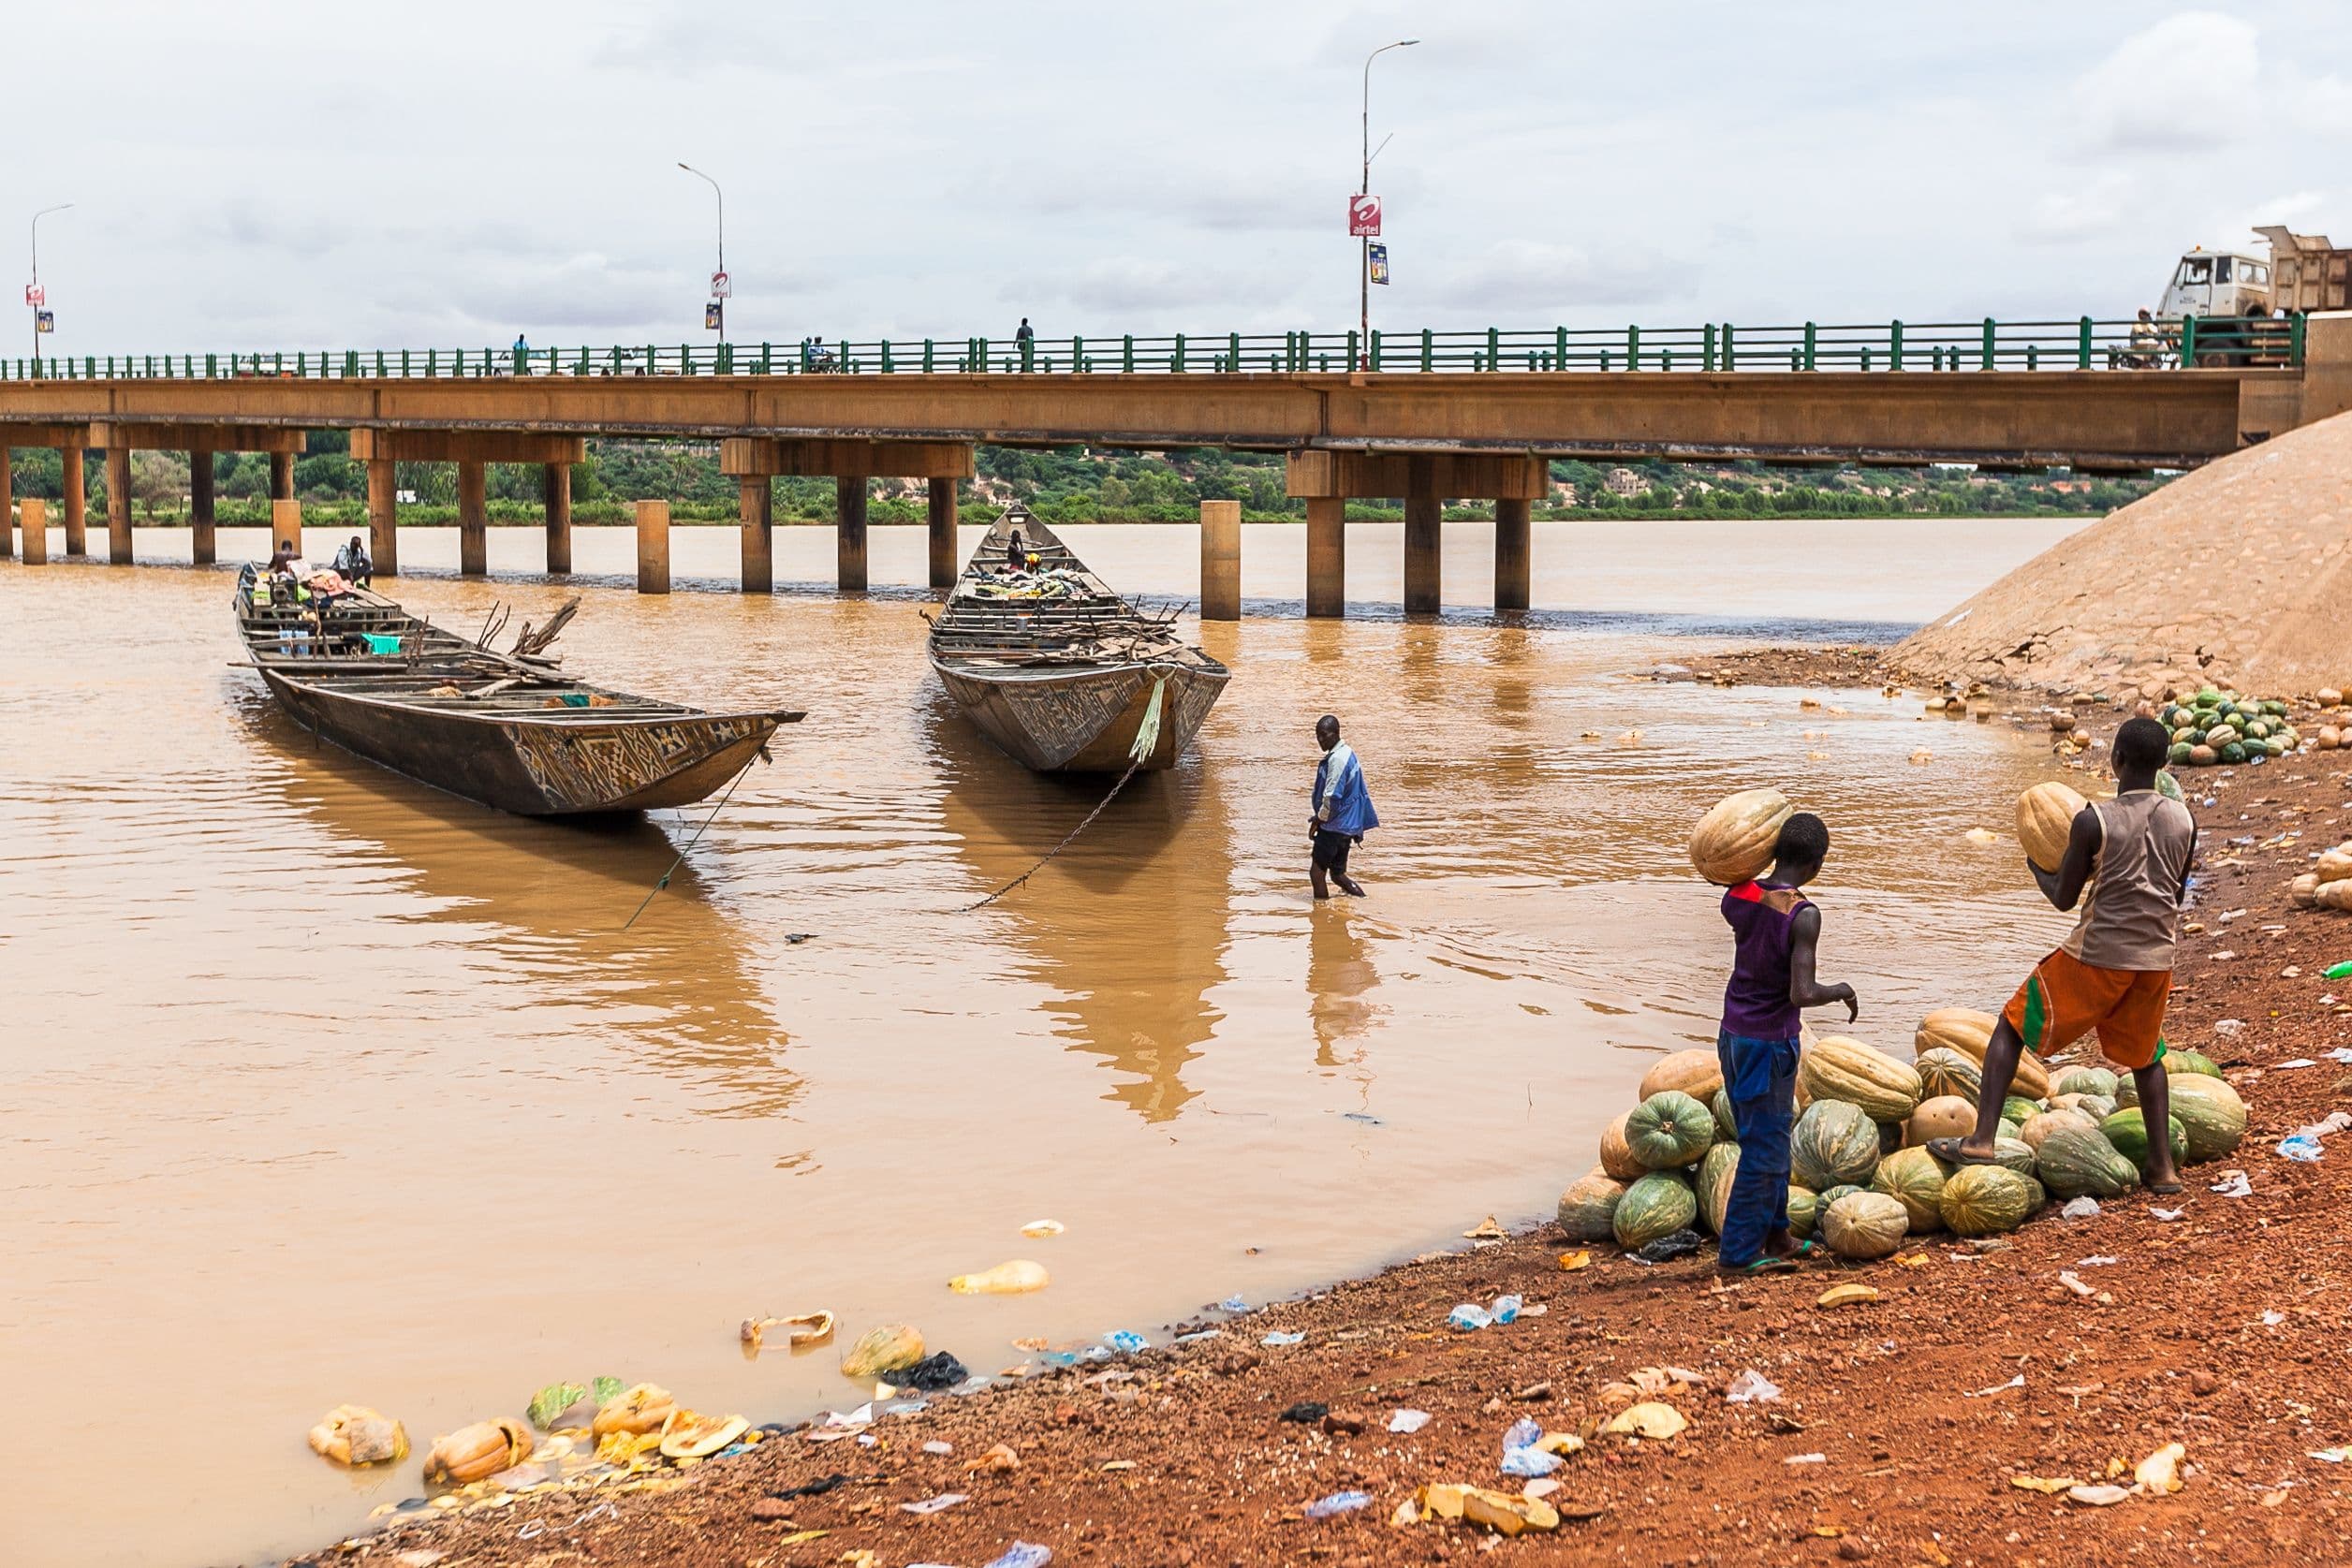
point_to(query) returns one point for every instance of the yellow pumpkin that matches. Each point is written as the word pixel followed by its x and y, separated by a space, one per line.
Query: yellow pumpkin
pixel 2304 892
pixel 2044 818
pixel 636 1411
pixel 1945 1116
pixel 883 1349
pixel 482 1449
pixel 1838 1068
pixel 357 1435
pixel 1969 1032
pixel 1697 1073
pixel 689 1435
pixel 1733 842
pixel 1617 1154
pixel 2334 895
pixel 2039 1127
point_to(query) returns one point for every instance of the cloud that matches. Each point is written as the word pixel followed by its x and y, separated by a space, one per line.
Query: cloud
pixel 2192 83
pixel 2080 212
pixel 1551 282
pixel 1134 286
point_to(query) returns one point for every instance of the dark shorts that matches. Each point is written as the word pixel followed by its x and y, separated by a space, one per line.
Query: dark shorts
pixel 1330 851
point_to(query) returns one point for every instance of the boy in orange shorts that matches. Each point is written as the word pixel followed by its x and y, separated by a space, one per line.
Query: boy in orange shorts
pixel 2114 973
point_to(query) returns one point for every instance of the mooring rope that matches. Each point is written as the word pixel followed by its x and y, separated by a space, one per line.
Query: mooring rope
pixel 1147 739
pixel 692 842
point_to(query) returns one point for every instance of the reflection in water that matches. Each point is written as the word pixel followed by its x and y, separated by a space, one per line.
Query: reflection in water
pixel 674 983
pixel 1340 979
pixel 1126 927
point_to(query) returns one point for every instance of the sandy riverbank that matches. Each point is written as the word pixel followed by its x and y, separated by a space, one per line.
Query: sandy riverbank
pixel 2223 1333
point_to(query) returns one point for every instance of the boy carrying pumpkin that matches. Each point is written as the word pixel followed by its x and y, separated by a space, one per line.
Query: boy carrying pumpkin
pixel 1777 929
pixel 2114 973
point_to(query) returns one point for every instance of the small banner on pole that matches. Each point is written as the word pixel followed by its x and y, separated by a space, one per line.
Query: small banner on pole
pixel 45 321
pixel 722 286
pixel 713 315
pixel 1377 259
pixel 1364 217
pixel 34 295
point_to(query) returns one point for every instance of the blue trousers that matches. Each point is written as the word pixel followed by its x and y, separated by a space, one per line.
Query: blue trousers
pixel 1761 1078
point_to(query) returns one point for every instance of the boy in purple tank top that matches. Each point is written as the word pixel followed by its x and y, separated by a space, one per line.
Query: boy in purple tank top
pixel 1772 983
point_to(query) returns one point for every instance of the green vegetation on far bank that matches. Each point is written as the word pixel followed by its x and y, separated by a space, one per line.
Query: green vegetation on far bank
pixel 1065 485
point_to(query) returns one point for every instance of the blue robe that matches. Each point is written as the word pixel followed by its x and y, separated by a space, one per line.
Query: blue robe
pixel 1342 804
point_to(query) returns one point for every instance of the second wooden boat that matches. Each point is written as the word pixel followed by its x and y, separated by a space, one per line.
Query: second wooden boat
pixel 1058 670
pixel 507 730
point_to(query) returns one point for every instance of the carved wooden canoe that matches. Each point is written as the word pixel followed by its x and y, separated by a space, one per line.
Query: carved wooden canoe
pixel 510 732
pixel 1058 670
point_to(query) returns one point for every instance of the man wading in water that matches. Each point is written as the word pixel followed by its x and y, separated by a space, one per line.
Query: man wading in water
pixel 2114 973
pixel 1342 812
pixel 1777 929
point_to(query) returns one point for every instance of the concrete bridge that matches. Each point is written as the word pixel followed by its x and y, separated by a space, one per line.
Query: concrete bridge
pixel 1427 419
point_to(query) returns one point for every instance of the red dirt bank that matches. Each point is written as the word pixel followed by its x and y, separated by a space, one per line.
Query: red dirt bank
pixel 1184 1460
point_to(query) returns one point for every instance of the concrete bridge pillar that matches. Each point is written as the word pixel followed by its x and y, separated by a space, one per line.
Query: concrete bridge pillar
pixel 652 547
pixel 557 486
pixel 77 521
pixel 1514 531
pixel 1423 535
pixel 281 475
pixel 8 505
pixel 203 543
pixel 473 517
pixel 1327 556
pixel 850 550
pixel 1220 561
pixel 286 522
pixel 118 506
pixel 35 531
pixel 383 516
pixel 758 510
pixel 941 495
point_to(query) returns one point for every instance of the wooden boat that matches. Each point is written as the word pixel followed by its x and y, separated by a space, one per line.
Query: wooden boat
pixel 505 729
pixel 1059 671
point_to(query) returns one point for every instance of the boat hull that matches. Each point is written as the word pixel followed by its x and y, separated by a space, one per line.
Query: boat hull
pixel 535 766
pixel 1085 721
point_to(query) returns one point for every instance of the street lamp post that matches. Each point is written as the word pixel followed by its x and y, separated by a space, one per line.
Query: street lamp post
pixel 34 289
pixel 1363 260
pixel 718 301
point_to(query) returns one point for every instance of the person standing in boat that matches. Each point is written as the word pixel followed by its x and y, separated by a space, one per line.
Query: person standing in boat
pixel 1342 812
pixel 1015 551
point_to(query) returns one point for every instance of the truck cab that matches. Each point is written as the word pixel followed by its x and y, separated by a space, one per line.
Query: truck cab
pixel 2216 283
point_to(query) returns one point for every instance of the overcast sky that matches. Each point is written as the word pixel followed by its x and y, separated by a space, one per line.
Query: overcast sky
pixel 251 174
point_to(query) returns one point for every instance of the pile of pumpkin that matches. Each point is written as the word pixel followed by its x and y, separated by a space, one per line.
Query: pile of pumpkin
pixel 2328 884
pixel 1861 1177
pixel 2216 726
pixel 1860 1174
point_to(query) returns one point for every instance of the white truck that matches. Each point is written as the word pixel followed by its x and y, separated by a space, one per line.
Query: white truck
pixel 2240 301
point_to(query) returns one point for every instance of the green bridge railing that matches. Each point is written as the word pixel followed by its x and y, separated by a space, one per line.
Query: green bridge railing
pixel 2081 344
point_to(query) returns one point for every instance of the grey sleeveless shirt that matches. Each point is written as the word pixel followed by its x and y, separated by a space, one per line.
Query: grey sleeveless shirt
pixel 2131 911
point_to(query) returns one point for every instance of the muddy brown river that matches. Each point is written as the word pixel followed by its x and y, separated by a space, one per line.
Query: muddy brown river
pixel 320 1086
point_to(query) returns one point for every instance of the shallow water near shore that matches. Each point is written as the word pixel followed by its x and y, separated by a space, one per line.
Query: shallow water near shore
pixel 324 1087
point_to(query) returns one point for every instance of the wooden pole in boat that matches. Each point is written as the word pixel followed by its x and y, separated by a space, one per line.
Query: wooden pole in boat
pixel 118 505
pixel 203 540
pixel 383 517
pixel 942 497
pixel 850 550
pixel 1327 556
pixel 652 547
pixel 35 531
pixel 757 506
pixel 472 518
pixel 1220 561
pixel 558 487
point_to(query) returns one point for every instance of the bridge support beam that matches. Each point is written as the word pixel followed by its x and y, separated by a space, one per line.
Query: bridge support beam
pixel 556 485
pixel 383 516
pixel 286 522
pixel 1327 557
pixel 8 502
pixel 473 517
pixel 849 548
pixel 118 505
pixel 281 475
pixel 35 531
pixel 76 518
pixel 941 493
pixel 758 509
pixel 1424 552
pixel 1220 561
pixel 652 547
pixel 203 541
pixel 1514 551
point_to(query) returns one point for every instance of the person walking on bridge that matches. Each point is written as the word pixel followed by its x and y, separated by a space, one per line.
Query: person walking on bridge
pixel 1342 812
